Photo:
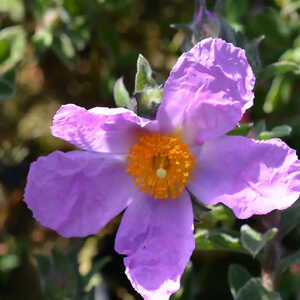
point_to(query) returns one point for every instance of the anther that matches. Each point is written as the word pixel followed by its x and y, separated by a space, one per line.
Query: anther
pixel 160 165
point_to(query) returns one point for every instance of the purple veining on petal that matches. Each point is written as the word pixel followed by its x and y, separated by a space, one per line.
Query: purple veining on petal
pixel 100 129
pixel 157 237
pixel 77 193
pixel 207 92
pixel 249 176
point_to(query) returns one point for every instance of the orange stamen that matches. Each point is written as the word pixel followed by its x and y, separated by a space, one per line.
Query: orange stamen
pixel 160 165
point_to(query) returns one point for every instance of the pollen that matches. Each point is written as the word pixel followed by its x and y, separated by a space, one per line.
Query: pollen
pixel 160 165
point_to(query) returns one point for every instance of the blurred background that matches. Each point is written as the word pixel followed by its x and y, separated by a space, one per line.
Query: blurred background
pixel 54 52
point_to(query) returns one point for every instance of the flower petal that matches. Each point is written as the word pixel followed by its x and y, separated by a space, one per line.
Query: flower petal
pixel 207 92
pixel 99 129
pixel 157 237
pixel 77 193
pixel 249 176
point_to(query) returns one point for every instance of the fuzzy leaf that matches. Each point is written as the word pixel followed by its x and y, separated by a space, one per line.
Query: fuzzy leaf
pixel 292 55
pixel 290 260
pixel 9 262
pixel 12 47
pixel 44 265
pixel 251 48
pixel 200 211
pixel 143 77
pixel 217 240
pixel 254 241
pixel 188 285
pixel 254 290
pixel 148 102
pixel 259 127
pixel 121 96
pixel 241 129
pixel 64 48
pixel 273 95
pixel 217 214
pixel 151 97
pixel 277 68
pixel 278 131
pixel 14 8
pixel 42 39
pixel 238 276
pixel 290 218
pixel 7 85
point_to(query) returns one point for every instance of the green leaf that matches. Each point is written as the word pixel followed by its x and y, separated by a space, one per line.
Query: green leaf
pixel 217 240
pixel 9 262
pixel 273 95
pixel 7 85
pixel 253 241
pixel 259 127
pixel 149 100
pixel 12 47
pixel 151 97
pixel 40 7
pixel 4 51
pixel 200 211
pixel 290 218
pixel 290 260
pixel 221 213
pixel 215 214
pixel 278 131
pixel 254 290
pixel 278 68
pixel 252 51
pixel 96 267
pixel 64 48
pixel 42 39
pixel 60 260
pixel 121 96
pixel 14 8
pixel 44 265
pixel 188 285
pixel 292 55
pixel 143 77
pixel 241 129
pixel 238 276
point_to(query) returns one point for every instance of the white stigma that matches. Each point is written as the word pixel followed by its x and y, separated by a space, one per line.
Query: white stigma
pixel 161 173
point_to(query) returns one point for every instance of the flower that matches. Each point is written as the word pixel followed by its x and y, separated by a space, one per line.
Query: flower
pixel 146 167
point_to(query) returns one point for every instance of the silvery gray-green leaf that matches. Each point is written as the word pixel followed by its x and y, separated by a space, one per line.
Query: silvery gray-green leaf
pixel 259 127
pixel 7 85
pixel 278 131
pixel 290 260
pixel 290 218
pixel 254 241
pixel 12 47
pixel 122 97
pixel 217 240
pixel 254 290
pixel 241 129
pixel 144 75
pixel 278 68
pixel 238 276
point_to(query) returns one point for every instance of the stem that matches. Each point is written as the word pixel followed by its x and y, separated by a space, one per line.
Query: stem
pixel 271 259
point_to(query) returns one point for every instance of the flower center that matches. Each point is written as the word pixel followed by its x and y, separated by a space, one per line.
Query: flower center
pixel 160 165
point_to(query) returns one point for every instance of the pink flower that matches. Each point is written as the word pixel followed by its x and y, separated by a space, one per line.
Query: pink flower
pixel 146 167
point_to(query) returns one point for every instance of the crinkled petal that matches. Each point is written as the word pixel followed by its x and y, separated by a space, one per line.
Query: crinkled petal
pixel 207 92
pixel 157 237
pixel 99 129
pixel 249 176
pixel 77 193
